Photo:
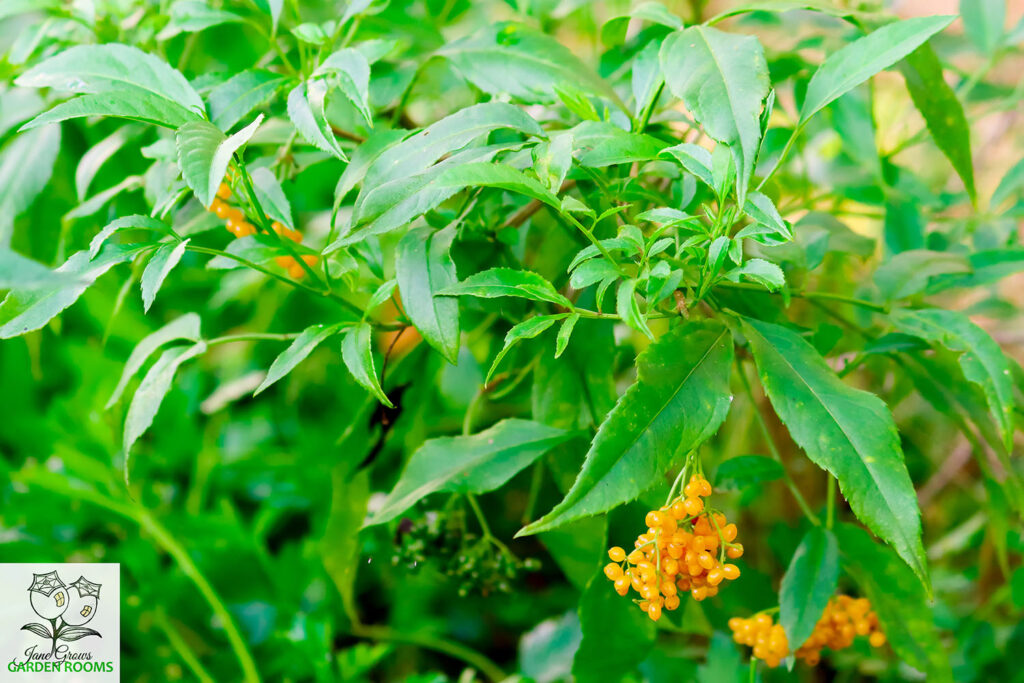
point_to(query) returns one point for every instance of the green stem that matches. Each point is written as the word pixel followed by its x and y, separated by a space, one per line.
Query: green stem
pixel 455 650
pixel 782 156
pixel 252 337
pixel 645 116
pixel 774 449
pixel 814 296
pixel 830 510
pixel 181 647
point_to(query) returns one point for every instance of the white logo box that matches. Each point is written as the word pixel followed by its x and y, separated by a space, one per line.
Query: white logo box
pixel 60 622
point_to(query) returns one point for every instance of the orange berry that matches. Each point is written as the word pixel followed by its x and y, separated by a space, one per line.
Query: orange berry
pixel 616 554
pixel 224 192
pixel 734 551
pixel 221 209
pixel 215 205
pixel 677 510
pixel 653 519
pixel 654 611
pixel 729 532
pixel 295 271
pixel 233 214
pixel 705 487
pixel 672 602
pixel 311 259
pixel 716 576
pixel 622 585
pixel 613 571
pixel 284 261
pixel 693 506
pixel 877 639
pixel 705 560
pixel 731 571
pixel 699 593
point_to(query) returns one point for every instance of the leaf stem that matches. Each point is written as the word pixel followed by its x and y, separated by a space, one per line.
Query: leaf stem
pixel 774 449
pixel 258 336
pixel 825 296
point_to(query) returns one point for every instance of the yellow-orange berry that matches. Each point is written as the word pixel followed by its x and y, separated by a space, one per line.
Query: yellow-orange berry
pixel 613 571
pixel 731 571
pixel 224 192
pixel 734 551
pixel 877 639
pixel 616 554
pixel 671 602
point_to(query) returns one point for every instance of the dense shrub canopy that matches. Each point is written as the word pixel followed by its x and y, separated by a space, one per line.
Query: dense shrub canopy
pixel 367 336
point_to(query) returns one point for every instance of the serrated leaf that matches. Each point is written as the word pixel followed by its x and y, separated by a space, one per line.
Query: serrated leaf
pixel 424 268
pixel 765 273
pixel 599 144
pixel 363 156
pixel 25 310
pixel 613 32
pixel 271 195
pixel 190 16
pixel 694 159
pixel 357 352
pixel 469 464
pixel 616 635
pixel 93 160
pixel 352 73
pixel 679 399
pixel 528 329
pixel 858 61
pixel 628 309
pixel 237 97
pixel 982 360
pixel 204 154
pixel 152 390
pixel 942 111
pixel 132 105
pixel 808 584
pixel 723 79
pixel 419 152
pixel 762 209
pixel 516 60
pixel 16 271
pixel 306 109
pixel 184 327
pixel 898 599
pixel 297 351
pixel 498 282
pixel 157 270
pixel 483 174
pixel 846 431
pixel 123 223
pixel 564 333
pixel 113 67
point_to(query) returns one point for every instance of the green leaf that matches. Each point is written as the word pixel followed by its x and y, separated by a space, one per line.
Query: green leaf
pixel 858 61
pixel 628 309
pixel 908 272
pixel 808 584
pixel 898 599
pixel 483 174
pixel 738 473
pixel 553 159
pixel 723 79
pixel 762 209
pixel 942 111
pixel 351 72
pixel 363 156
pixel 694 159
pixel 154 386
pixel 1010 185
pixel 846 431
pixel 184 327
pixel 765 273
pixel 982 360
pixel 19 272
pixel 190 16
pixel 271 195
pixel 297 351
pixel 306 109
pixel 498 282
pixel 112 67
pixel 124 223
pixel 983 23
pixel 424 268
pixel 204 154
pixel 679 399
pixel 357 352
pixel 613 32
pixel 158 268
pixel 564 333
pixel 339 547
pixel 419 152
pixel 26 164
pixel 617 635
pixel 468 464
pixel 132 105
pixel 25 310
pixel 237 97
pixel 528 329
pixel 578 548
pixel 598 144
pixel 310 33
pixel 516 60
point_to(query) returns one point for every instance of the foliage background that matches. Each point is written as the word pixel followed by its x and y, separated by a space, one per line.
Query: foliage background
pixel 244 510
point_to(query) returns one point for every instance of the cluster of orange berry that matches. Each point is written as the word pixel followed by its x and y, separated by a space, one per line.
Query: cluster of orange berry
pixel 238 226
pixel 844 619
pixel 684 549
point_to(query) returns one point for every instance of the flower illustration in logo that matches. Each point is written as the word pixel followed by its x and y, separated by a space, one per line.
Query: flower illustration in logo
pixel 49 595
pixel 67 608
pixel 83 598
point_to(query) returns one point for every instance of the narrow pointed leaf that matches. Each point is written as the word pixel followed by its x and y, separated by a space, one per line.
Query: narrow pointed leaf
pixel 808 584
pixel 297 351
pixel 204 154
pixel 185 327
pixel 152 390
pixel 157 270
pixel 357 352
pixel 680 398
pixel 424 268
pixel 498 282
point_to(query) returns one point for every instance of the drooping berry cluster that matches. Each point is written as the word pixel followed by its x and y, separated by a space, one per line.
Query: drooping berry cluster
pixel 683 550
pixel 844 619
pixel 238 226
pixel 476 564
